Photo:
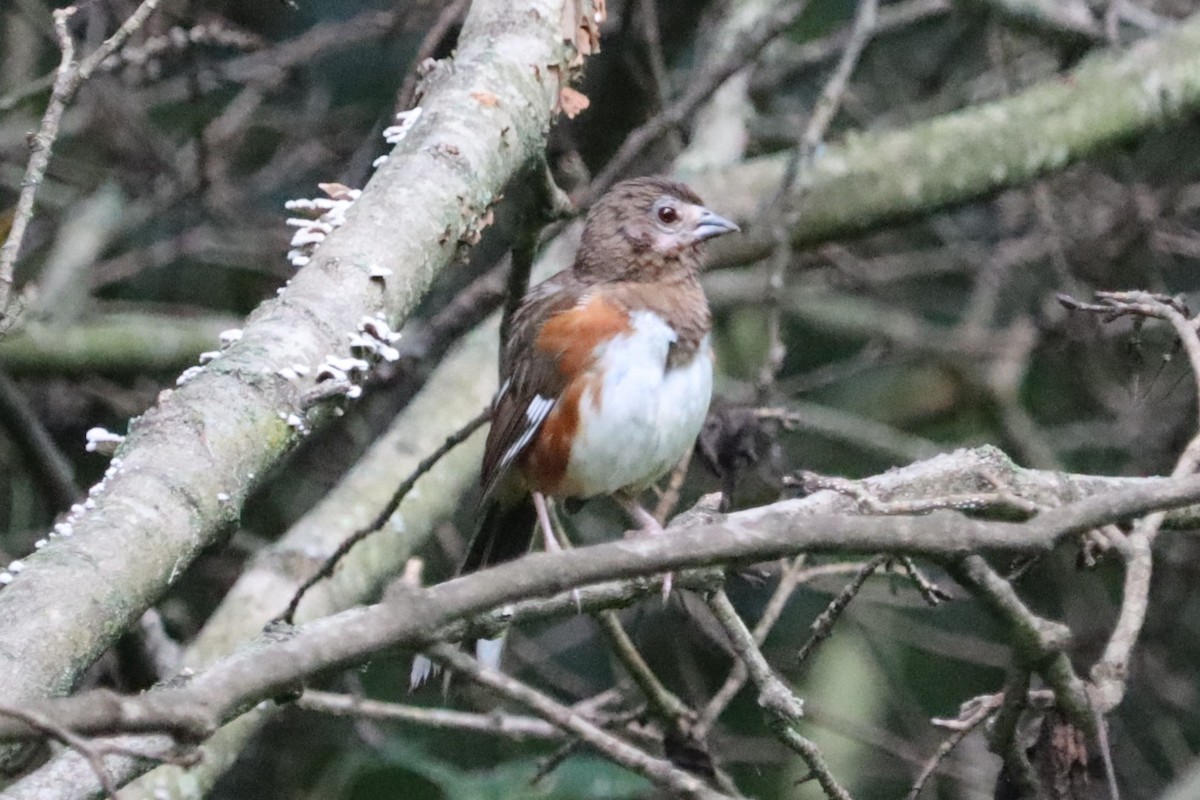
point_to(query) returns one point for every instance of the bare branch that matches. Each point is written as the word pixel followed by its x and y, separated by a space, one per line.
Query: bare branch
pixel 67 80
pixel 974 714
pixel 793 576
pixel 822 626
pixel 774 696
pixel 427 463
pixel 796 182
pixel 700 88
pixel 660 772
pixel 187 464
pixel 496 722
pixel 879 177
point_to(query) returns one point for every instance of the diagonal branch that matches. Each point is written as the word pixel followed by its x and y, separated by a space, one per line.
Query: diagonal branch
pixel 784 708
pixel 878 177
pixel 415 618
pixel 189 463
pixel 663 773
pixel 67 80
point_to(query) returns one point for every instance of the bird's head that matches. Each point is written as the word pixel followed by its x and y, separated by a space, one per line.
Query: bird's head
pixel 644 228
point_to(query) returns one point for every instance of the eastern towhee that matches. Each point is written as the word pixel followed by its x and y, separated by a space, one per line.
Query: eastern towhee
pixel 606 376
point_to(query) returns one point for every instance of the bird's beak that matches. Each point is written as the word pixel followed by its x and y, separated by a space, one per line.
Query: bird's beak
pixel 710 225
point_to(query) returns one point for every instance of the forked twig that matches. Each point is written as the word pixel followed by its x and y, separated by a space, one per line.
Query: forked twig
pixel 330 564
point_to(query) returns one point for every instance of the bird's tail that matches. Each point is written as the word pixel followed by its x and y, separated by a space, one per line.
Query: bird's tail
pixel 505 533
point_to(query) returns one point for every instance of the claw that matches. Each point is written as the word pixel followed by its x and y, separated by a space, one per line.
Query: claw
pixel 648 526
pixel 551 542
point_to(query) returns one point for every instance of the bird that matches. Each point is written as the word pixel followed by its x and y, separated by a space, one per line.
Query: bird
pixel 606 374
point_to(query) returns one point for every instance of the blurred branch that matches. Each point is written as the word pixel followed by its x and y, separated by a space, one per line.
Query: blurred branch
pixel 116 342
pixel 774 696
pixel 270 65
pixel 189 463
pixel 718 136
pixel 1070 21
pixel 662 773
pixel 875 178
pixel 787 203
pixel 744 49
pixel 509 726
pixel 56 476
pixel 857 316
pixel 451 15
pixel 69 77
pixel 786 59
pixel 868 434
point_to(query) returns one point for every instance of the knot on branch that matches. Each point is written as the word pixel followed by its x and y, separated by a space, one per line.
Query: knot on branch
pixel 779 700
pixel 1042 640
pixel 1108 685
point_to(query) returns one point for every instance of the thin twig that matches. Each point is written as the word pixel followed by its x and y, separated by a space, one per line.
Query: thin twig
pixel 647 13
pixel 67 80
pixel 796 182
pixel 670 495
pixel 496 722
pixel 327 568
pixel 858 431
pixel 700 89
pixel 784 708
pixel 665 703
pixel 789 58
pixel 822 626
pixel 661 772
pixel 930 592
pixel 54 470
pixel 794 575
pixel 1112 305
pixel 978 712
pixel 39 159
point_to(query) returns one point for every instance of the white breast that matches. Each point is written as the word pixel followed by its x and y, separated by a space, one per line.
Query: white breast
pixel 643 417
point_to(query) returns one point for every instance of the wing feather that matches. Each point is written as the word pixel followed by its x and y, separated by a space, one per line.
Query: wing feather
pixel 531 381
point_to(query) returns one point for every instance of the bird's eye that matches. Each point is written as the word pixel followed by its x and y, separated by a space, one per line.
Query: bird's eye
pixel 668 215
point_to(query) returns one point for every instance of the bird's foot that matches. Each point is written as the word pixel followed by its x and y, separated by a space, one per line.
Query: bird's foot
pixel 551 541
pixel 648 525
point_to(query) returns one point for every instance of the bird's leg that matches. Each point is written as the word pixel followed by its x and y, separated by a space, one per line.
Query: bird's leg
pixel 543 515
pixel 648 525
pixel 551 541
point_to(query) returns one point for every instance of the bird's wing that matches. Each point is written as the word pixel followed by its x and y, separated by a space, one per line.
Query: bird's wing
pixel 530 379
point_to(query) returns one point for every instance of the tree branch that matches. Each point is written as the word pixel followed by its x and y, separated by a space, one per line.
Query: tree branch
pixel 876 178
pixel 416 617
pixel 663 773
pixel 187 465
